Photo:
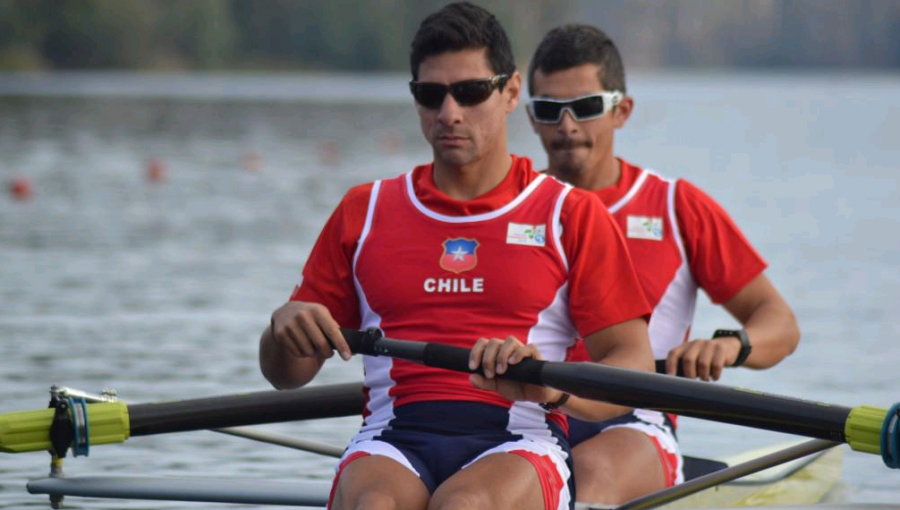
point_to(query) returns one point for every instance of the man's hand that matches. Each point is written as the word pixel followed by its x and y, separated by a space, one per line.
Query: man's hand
pixel 495 356
pixel 307 330
pixel 703 359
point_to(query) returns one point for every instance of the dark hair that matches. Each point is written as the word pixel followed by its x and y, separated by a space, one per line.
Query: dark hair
pixel 573 45
pixel 462 26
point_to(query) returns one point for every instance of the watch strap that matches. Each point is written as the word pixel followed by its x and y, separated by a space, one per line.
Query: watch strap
pixel 741 335
pixel 561 401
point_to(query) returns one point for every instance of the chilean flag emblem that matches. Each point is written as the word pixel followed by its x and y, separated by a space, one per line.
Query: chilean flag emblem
pixel 459 255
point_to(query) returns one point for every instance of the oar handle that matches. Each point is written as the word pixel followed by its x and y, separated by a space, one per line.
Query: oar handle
pixel 370 342
pixel 661 368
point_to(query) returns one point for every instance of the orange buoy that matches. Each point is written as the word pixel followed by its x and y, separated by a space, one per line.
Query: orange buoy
pixel 328 153
pixel 156 170
pixel 21 189
pixel 253 161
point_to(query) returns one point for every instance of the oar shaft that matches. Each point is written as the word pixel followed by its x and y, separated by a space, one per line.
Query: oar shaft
pixel 716 402
pixel 247 409
pixel 245 432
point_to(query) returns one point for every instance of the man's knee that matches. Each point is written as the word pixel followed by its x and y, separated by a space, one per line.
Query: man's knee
pixel 616 468
pixel 373 500
pixel 592 464
pixel 462 500
pixel 378 499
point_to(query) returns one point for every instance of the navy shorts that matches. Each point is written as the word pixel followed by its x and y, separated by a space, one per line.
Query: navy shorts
pixel 435 440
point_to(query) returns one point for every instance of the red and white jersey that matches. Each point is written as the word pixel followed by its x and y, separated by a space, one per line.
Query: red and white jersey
pixel 533 258
pixel 646 215
pixel 679 239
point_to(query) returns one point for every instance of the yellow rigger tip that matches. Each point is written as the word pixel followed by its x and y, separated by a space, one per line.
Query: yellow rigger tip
pixel 863 429
pixel 29 431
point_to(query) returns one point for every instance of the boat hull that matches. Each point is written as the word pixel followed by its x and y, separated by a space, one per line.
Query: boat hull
pixel 805 481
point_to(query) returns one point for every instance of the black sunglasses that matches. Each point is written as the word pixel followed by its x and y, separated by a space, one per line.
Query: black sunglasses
pixel 548 110
pixel 465 93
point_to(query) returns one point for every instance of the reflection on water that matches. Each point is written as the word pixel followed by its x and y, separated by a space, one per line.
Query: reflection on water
pixel 160 288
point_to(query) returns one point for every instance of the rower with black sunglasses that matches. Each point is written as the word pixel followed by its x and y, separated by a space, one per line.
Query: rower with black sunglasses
pixel 473 250
pixel 679 239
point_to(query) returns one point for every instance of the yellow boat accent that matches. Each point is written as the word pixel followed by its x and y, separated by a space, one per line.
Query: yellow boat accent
pixel 863 429
pixel 29 431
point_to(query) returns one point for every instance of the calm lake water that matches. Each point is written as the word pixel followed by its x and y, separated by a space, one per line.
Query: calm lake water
pixel 160 289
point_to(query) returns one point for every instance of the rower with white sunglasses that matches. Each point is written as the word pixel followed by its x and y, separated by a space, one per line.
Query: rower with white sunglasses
pixel 679 240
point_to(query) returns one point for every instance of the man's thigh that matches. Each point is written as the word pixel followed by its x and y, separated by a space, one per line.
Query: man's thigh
pixel 377 482
pixel 616 466
pixel 509 478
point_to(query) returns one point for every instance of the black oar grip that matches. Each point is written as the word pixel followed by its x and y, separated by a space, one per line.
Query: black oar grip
pixel 661 368
pixel 361 342
pixel 528 370
pixel 456 358
pixel 371 342
pixel 445 356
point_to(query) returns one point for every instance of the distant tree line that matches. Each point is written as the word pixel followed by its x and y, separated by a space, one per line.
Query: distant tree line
pixel 375 34
pixel 241 34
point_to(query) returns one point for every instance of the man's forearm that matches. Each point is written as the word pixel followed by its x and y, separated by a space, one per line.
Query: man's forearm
pixel 624 345
pixel 774 335
pixel 281 368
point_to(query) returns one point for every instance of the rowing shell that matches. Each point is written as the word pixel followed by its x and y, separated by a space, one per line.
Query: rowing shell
pixel 804 481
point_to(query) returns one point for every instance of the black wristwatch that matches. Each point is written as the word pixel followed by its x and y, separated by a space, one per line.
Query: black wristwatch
pixel 745 343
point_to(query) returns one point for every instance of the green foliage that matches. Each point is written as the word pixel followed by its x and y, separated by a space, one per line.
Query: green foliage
pixel 214 34
pixel 375 34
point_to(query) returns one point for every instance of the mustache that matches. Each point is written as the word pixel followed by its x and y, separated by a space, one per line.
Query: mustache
pixel 452 132
pixel 569 143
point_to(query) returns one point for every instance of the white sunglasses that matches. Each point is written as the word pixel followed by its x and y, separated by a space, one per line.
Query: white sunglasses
pixel 549 110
